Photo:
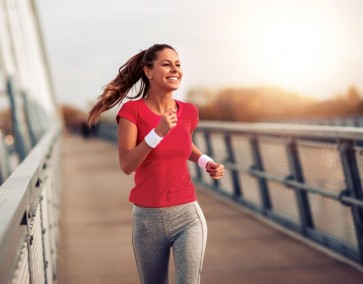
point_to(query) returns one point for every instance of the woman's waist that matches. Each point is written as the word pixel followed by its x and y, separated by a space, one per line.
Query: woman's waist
pixel 141 209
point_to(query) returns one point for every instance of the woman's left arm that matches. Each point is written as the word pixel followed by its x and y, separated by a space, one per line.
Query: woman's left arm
pixel 215 170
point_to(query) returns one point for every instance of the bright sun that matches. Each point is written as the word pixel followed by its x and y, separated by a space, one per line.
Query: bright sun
pixel 294 55
pixel 295 52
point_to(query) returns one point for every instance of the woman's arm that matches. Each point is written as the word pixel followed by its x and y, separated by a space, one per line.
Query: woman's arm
pixel 130 155
pixel 196 153
pixel 215 170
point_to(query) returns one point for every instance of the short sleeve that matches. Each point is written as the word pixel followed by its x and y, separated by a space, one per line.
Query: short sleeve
pixel 128 111
pixel 195 120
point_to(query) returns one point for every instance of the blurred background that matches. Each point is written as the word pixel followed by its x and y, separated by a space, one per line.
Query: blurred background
pixel 243 60
pixel 283 61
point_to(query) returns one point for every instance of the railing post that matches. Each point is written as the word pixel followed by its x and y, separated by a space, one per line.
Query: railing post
pixel 351 172
pixel 232 160
pixel 301 195
pixel 266 202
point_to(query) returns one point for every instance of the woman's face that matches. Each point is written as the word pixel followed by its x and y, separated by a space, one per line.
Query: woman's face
pixel 166 72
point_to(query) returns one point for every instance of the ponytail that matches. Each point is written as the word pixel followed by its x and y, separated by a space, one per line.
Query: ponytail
pixel 115 91
pixel 128 75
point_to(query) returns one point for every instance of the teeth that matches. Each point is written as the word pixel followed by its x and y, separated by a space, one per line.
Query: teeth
pixel 173 78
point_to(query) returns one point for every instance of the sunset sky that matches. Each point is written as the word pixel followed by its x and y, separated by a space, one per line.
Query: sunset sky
pixel 312 47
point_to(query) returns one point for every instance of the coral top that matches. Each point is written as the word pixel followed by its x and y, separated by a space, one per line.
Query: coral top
pixel 163 179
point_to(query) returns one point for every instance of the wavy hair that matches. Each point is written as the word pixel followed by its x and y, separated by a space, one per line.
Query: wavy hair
pixel 128 75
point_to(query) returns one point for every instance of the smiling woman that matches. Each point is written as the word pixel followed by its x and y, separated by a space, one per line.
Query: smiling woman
pixel 155 141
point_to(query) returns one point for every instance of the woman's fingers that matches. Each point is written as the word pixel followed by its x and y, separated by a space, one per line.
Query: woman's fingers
pixel 171 117
pixel 167 122
pixel 215 170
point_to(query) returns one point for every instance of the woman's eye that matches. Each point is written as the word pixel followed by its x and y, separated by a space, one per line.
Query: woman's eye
pixel 168 64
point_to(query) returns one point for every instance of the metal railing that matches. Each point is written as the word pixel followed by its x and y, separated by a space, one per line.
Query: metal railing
pixel 29 152
pixel 306 178
pixel 341 120
pixel 29 208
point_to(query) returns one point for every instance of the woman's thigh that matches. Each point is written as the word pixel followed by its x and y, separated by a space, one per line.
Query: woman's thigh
pixel 151 249
pixel 188 250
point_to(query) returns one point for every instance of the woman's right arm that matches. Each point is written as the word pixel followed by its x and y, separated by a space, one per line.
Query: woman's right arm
pixel 130 155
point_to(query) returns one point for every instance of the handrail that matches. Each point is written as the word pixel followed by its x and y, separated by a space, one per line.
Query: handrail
pixel 284 129
pixel 29 182
pixel 19 197
pixel 295 184
pixel 298 195
pixel 291 148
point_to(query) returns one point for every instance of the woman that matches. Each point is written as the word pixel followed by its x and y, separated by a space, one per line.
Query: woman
pixel 155 141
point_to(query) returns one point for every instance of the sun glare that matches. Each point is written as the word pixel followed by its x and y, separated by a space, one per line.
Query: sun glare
pixel 296 53
pixel 294 56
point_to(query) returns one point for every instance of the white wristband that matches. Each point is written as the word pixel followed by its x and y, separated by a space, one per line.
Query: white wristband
pixel 152 139
pixel 203 161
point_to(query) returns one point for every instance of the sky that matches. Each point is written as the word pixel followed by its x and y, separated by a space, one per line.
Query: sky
pixel 311 47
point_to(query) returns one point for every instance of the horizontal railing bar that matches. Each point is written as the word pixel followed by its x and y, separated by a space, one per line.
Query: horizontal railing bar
pixel 281 129
pixel 16 193
pixel 295 184
pixel 352 201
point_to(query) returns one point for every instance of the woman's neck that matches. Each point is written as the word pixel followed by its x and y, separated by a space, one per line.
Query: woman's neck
pixel 160 103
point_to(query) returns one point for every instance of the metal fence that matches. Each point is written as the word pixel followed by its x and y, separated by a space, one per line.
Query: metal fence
pixel 342 120
pixel 29 208
pixel 29 150
pixel 306 178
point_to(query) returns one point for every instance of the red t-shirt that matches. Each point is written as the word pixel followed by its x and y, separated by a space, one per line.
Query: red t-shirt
pixel 163 179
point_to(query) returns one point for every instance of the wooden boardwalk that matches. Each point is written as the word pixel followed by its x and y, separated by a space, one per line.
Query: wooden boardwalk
pixel 96 224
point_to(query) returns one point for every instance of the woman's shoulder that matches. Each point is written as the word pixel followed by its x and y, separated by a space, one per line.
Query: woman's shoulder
pixel 131 103
pixel 130 110
pixel 187 106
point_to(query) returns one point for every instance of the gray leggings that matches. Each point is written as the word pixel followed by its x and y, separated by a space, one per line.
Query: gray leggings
pixel 156 230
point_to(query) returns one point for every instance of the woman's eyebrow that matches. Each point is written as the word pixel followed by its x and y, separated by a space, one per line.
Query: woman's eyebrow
pixel 169 60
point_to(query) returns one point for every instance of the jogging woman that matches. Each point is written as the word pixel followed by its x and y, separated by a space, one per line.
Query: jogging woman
pixel 155 141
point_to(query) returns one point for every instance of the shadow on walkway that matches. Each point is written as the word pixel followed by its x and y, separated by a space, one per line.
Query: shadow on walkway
pixel 96 225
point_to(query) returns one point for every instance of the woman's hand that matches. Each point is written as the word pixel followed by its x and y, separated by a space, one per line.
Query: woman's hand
pixel 167 122
pixel 215 170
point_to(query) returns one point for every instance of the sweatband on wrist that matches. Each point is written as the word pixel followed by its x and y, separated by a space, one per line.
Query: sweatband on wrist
pixel 152 139
pixel 203 161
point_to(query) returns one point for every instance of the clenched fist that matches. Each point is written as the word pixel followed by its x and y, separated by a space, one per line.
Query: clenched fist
pixel 167 122
pixel 215 170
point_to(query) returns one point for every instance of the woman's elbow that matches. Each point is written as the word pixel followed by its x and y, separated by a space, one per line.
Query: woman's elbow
pixel 127 172
pixel 125 169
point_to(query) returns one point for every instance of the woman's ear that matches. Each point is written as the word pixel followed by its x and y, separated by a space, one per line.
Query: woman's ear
pixel 147 72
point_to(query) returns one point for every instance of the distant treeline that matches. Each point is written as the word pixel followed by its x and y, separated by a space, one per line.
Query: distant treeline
pixel 251 105
pixel 270 103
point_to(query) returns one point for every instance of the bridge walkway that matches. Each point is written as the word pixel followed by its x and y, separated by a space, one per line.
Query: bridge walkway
pixel 96 224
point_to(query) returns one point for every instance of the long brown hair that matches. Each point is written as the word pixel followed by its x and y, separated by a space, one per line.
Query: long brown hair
pixel 128 75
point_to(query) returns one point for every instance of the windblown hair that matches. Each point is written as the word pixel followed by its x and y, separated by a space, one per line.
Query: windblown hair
pixel 128 75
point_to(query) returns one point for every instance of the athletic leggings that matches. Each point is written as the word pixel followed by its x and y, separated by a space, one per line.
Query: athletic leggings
pixel 155 230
